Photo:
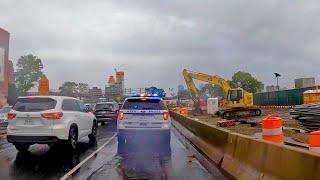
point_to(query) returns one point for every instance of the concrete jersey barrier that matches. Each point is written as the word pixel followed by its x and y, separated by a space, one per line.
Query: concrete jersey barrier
pixel 242 157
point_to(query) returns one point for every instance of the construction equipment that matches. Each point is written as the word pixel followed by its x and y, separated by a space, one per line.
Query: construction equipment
pixel 236 101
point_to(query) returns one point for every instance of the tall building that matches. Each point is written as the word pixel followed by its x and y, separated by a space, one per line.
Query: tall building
pixel 4 66
pixel 305 82
pixel 11 78
pixel 115 87
pixel 93 95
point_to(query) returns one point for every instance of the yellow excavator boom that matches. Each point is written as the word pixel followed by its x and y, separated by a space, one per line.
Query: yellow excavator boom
pixel 235 99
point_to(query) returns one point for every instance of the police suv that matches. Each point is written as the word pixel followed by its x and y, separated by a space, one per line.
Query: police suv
pixel 144 117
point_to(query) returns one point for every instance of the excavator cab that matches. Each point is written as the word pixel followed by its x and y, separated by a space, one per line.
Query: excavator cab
pixel 235 95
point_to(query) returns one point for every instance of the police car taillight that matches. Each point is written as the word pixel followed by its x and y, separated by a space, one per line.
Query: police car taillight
pixel 121 115
pixel 166 116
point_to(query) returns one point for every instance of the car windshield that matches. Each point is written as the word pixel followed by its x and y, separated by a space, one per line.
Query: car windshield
pixel 34 104
pixel 104 106
pixel 144 104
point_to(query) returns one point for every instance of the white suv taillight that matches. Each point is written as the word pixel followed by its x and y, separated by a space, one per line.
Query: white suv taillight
pixel 52 115
pixel 11 115
pixel 121 115
pixel 166 116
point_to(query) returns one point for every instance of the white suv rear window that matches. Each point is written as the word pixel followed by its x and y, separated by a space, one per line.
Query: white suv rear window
pixel 144 104
pixel 34 104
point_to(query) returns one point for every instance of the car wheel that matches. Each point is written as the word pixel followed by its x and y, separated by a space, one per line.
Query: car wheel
pixel 73 138
pixel 258 112
pixel 22 147
pixel 93 135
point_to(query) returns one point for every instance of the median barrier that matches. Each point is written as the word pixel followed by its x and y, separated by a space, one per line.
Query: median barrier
pixel 243 157
pixel 212 141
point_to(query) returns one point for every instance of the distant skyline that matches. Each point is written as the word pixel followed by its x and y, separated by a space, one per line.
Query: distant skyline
pixel 153 41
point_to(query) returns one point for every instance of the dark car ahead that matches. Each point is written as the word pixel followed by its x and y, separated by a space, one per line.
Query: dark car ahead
pixel 106 112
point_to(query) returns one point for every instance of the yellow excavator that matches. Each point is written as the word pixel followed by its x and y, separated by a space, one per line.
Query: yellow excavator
pixel 236 101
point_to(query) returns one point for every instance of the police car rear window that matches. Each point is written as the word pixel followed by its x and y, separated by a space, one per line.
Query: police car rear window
pixel 34 104
pixel 144 104
pixel 103 106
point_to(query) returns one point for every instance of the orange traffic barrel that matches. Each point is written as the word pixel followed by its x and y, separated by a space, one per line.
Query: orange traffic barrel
pixel 314 139
pixel 272 129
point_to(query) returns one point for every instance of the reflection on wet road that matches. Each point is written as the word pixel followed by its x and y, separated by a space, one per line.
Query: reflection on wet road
pixel 41 162
pixel 145 162
pixel 140 161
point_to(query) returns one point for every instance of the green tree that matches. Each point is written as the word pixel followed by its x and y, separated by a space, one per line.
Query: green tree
pixel 82 89
pixel 212 90
pixel 69 89
pixel 246 81
pixel 12 94
pixel 29 71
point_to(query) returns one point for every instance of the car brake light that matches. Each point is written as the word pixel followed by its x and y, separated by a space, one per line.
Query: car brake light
pixel 121 115
pixel 52 115
pixel 11 115
pixel 166 116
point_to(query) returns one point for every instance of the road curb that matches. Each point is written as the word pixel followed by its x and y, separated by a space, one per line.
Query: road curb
pixel 76 168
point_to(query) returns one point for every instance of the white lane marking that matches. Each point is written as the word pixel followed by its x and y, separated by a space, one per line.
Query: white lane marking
pixel 66 176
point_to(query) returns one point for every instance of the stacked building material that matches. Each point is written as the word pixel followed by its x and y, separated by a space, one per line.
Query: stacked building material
pixel 308 116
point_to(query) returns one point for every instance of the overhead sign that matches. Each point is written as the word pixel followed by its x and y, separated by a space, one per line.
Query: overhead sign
pixel 2 64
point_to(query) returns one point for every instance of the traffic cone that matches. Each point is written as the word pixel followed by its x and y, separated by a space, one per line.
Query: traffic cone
pixel 272 129
pixel 314 139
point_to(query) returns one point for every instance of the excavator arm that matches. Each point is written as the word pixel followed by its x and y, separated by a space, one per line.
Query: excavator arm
pixel 195 93
pixel 212 79
pixel 235 102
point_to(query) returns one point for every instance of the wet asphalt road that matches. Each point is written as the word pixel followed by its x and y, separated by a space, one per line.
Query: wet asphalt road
pixel 146 161
pixel 141 162
pixel 43 163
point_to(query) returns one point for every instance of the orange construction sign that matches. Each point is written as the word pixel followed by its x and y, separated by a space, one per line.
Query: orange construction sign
pixel 43 88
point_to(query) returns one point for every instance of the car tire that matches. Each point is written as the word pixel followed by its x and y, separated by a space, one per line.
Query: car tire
pixel 73 138
pixel 93 135
pixel 22 147
pixel 258 112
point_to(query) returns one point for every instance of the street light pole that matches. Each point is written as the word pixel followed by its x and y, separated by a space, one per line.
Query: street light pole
pixel 277 75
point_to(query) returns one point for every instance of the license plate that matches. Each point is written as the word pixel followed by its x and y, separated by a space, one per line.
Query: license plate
pixel 28 122
pixel 143 124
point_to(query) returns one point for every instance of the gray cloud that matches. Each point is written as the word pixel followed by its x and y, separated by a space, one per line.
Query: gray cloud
pixel 85 41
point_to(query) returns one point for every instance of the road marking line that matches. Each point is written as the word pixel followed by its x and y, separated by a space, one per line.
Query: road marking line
pixel 87 159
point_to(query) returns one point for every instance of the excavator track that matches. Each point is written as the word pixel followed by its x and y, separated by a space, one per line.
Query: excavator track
pixel 239 112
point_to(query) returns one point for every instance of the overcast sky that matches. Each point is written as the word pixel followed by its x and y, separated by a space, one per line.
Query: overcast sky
pixel 152 40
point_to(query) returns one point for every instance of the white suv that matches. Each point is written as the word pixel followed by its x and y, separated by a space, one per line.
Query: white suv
pixel 49 120
pixel 144 118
